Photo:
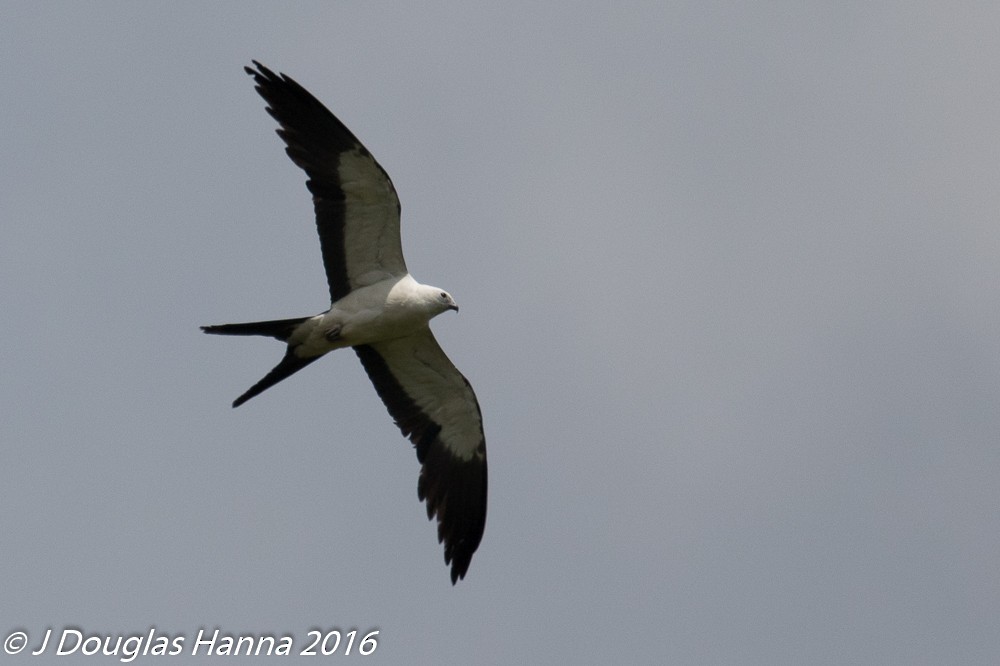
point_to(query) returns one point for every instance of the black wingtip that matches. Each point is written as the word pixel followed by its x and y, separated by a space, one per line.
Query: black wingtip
pixel 455 491
pixel 457 575
pixel 262 74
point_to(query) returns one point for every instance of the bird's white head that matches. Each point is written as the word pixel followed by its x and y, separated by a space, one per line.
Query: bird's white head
pixel 438 300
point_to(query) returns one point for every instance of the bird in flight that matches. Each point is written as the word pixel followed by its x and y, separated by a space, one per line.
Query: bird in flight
pixel 380 311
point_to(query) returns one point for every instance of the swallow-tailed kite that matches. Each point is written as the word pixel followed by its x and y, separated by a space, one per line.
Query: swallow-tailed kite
pixel 380 311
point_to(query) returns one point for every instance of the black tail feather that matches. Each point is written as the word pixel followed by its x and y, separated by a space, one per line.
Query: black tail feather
pixel 276 328
pixel 281 329
pixel 288 367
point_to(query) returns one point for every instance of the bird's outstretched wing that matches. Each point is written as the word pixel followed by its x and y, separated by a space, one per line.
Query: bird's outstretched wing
pixel 434 405
pixel 357 210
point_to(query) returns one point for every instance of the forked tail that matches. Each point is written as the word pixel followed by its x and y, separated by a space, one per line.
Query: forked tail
pixel 281 329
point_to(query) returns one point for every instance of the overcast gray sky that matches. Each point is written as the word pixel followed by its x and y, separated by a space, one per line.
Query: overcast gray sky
pixel 729 277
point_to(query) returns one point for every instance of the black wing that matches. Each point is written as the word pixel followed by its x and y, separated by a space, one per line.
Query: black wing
pixel 434 405
pixel 357 210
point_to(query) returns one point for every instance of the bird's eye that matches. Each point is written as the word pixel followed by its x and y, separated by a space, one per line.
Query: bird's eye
pixel 444 295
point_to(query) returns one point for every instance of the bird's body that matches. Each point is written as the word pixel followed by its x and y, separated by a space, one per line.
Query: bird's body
pixel 379 310
pixel 392 308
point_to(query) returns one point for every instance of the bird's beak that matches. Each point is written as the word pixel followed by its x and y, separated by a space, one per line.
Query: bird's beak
pixel 453 307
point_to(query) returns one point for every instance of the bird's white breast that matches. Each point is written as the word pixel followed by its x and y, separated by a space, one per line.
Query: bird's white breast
pixel 388 309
